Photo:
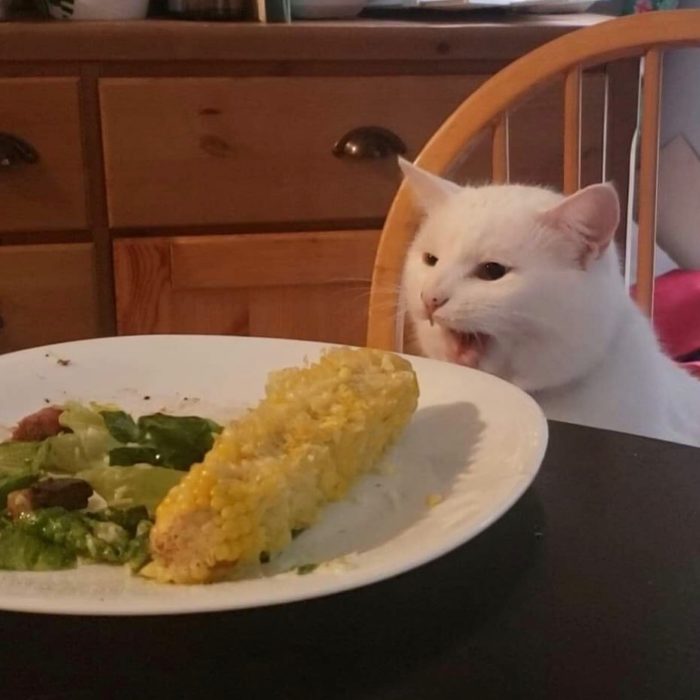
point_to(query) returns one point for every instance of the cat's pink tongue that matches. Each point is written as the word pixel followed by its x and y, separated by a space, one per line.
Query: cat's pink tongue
pixel 466 348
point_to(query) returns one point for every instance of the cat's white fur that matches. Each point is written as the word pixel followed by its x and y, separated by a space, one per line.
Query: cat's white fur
pixel 560 324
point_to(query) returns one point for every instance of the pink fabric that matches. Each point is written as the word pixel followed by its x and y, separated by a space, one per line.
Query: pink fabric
pixel 677 316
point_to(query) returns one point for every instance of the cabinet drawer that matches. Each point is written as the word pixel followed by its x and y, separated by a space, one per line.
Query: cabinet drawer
pixel 310 286
pixel 272 260
pixel 192 151
pixel 49 194
pixel 47 294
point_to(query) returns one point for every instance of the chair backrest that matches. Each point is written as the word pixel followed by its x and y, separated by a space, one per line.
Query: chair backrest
pixel 643 36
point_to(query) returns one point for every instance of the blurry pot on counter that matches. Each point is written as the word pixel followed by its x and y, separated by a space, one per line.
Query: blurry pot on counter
pixel 207 9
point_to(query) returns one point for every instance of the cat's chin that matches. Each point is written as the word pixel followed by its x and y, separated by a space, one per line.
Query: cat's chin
pixel 465 348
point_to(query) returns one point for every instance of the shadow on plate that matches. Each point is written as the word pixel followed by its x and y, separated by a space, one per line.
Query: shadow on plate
pixel 438 445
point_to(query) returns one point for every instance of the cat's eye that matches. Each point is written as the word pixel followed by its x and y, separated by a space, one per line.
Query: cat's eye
pixel 429 259
pixel 491 271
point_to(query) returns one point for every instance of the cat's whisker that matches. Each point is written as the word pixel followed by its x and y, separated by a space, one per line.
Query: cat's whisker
pixel 388 294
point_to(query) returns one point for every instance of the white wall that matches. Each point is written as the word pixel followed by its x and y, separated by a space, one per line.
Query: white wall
pixel 681 92
pixel 678 224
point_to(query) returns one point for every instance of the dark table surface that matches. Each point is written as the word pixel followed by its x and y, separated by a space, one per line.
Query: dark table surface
pixel 588 588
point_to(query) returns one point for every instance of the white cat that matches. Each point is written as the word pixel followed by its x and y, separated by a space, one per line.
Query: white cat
pixel 522 282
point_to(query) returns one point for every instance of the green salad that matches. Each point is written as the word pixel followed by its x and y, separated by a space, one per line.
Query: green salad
pixel 81 483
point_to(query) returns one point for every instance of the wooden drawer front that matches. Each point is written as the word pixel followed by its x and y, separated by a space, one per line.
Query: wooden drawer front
pixel 49 194
pixel 272 260
pixel 47 294
pixel 311 286
pixel 189 151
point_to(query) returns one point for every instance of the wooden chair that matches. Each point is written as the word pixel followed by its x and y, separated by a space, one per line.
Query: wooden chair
pixel 645 36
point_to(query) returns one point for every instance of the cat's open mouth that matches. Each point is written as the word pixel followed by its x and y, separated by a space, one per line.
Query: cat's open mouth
pixel 466 348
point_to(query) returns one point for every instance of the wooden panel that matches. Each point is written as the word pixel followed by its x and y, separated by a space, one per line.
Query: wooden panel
pixel 142 285
pixel 46 295
pixel 318 43
pixel 286 259
pixel 648 179
pixel 623 85
pixel 185 151
pixel 97 197
pixel 572 129
pixel 332 313
pixel 500 157
pixel 310 286
pixel 147 303
pixel 47 195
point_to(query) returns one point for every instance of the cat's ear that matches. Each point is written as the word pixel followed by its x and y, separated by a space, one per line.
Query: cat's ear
pixel 590 217
pixel 429 190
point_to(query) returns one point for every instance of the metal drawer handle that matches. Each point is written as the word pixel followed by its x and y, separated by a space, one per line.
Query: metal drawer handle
pixel 14 150
pixel 369 142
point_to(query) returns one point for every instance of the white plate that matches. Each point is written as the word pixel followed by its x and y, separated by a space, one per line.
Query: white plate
pixel 475 440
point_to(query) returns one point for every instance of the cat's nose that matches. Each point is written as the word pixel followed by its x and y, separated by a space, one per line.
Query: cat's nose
pixel 432 303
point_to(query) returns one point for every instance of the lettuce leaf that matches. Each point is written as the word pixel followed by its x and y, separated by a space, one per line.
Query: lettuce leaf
pixel 54 538
pixel 23 551
pixel 86 447
pixel 19 457
pixel 121 426
pixel 141 484
pixel 177 442
pixel 126 462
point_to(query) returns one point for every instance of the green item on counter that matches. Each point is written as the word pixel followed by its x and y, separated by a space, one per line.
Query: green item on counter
pixel 633 7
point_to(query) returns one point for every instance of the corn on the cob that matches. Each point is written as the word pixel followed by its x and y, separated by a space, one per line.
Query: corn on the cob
pixel 318 428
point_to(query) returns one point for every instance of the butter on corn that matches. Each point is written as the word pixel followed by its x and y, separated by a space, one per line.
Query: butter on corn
pixel 271 472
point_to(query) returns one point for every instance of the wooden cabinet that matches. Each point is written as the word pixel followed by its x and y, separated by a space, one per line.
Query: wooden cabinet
pixel 47 195
pixel 47 291
pixel 194 163
pixel 47 294
pixel 298 285
pixel 198 151
pixel 188 151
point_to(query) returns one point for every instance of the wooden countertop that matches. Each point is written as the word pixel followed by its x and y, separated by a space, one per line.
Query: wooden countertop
pixel 490 38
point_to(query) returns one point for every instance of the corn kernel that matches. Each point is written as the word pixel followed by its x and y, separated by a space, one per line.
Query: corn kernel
pixel 317 430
